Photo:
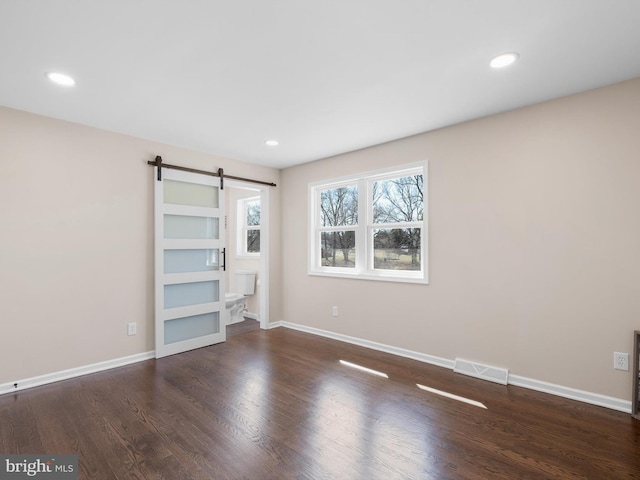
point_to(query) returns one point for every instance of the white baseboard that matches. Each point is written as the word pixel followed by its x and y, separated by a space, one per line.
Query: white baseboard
pixel 516 380
pixel 73 372
pixel 253 316
pixel 571 393
pixel 401 352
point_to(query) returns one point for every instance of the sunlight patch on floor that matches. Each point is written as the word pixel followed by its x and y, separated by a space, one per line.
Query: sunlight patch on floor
pixel 363 369
pixel 452 396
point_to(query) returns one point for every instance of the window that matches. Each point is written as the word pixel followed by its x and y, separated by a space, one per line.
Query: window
pixel 249 226
pixel 372 226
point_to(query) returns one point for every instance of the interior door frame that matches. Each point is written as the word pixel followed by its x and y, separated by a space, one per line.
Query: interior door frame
pixel 264 245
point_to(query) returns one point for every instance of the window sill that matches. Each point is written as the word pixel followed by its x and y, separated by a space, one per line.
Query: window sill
pixel 364 276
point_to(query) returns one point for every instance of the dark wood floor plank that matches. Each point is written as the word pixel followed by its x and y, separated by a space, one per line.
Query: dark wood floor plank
pixel 278 405
pixel 247 325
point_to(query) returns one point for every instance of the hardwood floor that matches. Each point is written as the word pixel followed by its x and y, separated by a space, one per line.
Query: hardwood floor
pixel 278 404
pixel 247 325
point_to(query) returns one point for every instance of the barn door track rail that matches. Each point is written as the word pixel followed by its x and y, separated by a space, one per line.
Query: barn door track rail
pixel 220 173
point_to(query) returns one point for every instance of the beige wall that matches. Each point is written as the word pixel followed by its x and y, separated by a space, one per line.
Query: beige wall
pixel 534 243
pixel 76 243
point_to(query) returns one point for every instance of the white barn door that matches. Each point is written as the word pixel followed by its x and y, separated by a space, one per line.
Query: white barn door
pixel 189 262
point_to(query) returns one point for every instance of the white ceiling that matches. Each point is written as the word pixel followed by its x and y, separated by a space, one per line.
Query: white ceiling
pixel 322 77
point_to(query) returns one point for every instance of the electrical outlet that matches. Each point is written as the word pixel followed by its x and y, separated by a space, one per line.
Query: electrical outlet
pixel 334 311
pixel 621 361
pixel 132 328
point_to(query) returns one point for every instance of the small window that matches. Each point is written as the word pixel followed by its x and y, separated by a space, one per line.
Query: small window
pixel 249 226
pixel 372 226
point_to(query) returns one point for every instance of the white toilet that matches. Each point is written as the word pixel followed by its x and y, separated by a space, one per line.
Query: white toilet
pixel 236 302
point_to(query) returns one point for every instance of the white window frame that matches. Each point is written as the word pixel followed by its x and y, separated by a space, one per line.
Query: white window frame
pixel 242 227
pixel 364 230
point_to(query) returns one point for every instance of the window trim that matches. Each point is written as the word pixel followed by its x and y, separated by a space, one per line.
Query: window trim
pixel 363 269
pixel 242 227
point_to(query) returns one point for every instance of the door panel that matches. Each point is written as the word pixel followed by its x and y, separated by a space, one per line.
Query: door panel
pixel 190 328
pixel 195 293
pixel 190 227
pixel 191 260
pixel 189 276
pixel 190 193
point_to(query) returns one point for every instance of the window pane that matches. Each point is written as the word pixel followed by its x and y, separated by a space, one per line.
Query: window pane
pixel 253 213
pixel 338 249
pixel 253 241
pixel 397 249
pixel 339 206
pixel 398 200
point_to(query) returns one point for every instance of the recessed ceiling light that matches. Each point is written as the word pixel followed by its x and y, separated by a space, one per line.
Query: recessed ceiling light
pixel 272 143
pixel 504 60
pixel 61 79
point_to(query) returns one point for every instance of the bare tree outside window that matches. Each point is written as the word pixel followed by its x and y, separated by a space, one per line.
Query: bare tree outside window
pixel 371 225
pixel 253 220
pixel 338 207
pixel 248 226
pixel 253 213
pixel 397 200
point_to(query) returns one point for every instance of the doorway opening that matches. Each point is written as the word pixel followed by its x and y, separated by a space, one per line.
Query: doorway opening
pixel 247 221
